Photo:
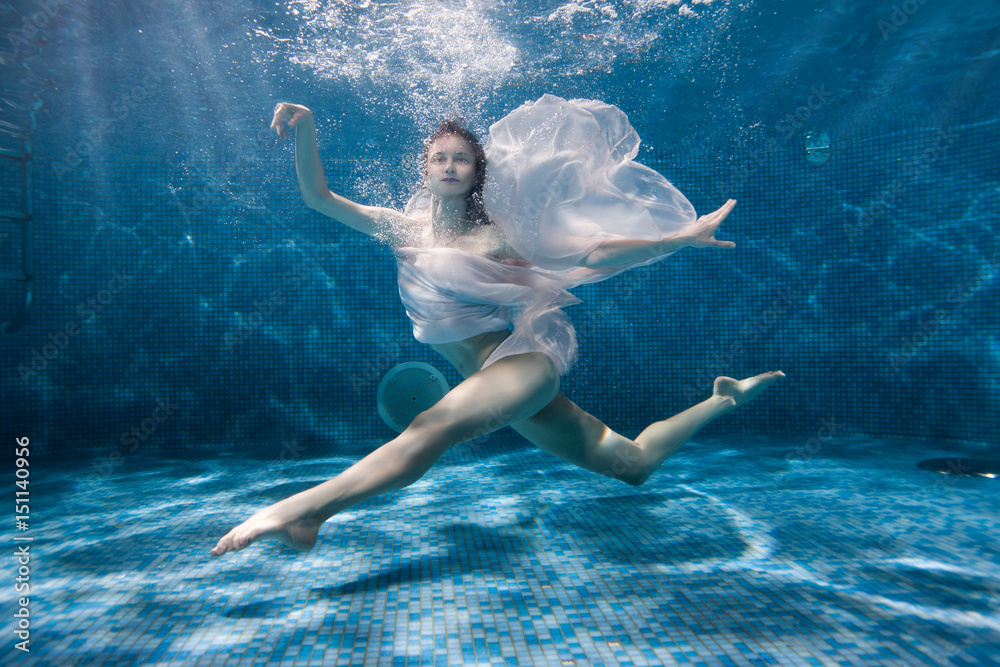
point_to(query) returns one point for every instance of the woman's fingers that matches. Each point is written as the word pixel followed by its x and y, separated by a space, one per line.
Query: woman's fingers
pixel 704 233
pixel 723 213
pixel 277 123
pixel 715 219
pixel 725 210
pixel 282 113
pixel 286 116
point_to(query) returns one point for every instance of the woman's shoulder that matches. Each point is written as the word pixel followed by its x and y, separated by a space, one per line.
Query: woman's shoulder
pixel 489 241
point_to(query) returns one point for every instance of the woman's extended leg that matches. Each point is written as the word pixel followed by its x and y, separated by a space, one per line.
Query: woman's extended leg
pixel 567 431
pixel 514 388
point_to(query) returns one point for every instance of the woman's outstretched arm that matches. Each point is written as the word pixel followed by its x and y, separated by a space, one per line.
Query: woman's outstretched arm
pixel 620 252
pixel 372 220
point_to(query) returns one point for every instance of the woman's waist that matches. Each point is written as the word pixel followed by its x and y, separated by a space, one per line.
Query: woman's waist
pixel 469 354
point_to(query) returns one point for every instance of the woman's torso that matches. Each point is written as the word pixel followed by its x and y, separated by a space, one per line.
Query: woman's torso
pixel 469 354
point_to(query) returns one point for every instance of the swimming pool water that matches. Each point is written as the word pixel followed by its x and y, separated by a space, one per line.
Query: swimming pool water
pixel 741 550
pixel 175 265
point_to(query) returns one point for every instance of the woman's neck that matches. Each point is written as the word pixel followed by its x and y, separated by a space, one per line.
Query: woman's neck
pixel 448 217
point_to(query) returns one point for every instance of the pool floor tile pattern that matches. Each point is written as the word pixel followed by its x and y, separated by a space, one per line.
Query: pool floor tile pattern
pixel 732 554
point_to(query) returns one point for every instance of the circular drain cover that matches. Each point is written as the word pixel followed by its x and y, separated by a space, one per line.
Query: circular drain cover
pixel 407 390
pixel 958 466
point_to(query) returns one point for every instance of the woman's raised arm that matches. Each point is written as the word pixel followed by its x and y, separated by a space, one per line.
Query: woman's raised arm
pixel 384 223
pixel 701 234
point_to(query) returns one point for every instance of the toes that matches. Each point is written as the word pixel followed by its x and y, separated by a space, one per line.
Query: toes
pixel 224 546
pixel 235 540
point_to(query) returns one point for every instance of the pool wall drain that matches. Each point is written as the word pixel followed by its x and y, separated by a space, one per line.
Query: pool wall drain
pixel 962 466
pixel 817 146
pixel 407 390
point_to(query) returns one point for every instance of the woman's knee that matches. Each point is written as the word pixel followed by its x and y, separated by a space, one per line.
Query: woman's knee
pixel 432 427
pixel 633 476
pixel 625 461
pixel 423 442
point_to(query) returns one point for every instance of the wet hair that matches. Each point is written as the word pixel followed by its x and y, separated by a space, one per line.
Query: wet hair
pixel 474 209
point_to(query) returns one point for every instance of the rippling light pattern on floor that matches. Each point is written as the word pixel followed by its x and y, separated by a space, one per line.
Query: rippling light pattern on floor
pixel 741 550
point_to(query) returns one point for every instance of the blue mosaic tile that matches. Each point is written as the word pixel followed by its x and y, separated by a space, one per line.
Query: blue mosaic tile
pixel 697 567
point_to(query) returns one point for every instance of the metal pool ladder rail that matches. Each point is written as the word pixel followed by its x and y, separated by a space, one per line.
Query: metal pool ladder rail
pixel 20 216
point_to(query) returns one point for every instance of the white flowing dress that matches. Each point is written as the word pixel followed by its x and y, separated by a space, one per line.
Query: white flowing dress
pixel 560 180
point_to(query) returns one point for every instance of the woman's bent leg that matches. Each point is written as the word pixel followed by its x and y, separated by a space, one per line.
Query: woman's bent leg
pixel 514 388
pixel 567 431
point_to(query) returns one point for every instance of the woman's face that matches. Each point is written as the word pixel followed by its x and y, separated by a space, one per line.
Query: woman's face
pixel 451 167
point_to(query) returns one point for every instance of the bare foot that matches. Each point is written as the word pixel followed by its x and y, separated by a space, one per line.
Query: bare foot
pixel 741 391
pixel 278 522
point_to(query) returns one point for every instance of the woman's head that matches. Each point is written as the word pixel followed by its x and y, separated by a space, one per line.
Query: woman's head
pixel 450 142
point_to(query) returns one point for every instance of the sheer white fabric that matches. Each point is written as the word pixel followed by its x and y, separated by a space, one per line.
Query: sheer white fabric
pixel 452 294
pixel 560 180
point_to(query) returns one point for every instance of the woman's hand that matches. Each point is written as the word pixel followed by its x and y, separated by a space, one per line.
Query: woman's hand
pixel 702 233
pixel 289 113
pixel 615 253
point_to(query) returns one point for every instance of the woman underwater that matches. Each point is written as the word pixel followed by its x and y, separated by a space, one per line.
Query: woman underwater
pixel 464 280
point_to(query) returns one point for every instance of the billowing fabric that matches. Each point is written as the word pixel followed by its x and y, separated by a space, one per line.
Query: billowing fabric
pixel 560 180
pixel 452 294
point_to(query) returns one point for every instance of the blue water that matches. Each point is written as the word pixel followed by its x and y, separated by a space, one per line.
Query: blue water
pixel 796 530
pixel 734 553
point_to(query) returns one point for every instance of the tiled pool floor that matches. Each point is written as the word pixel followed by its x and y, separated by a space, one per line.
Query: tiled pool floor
pixel 741 550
